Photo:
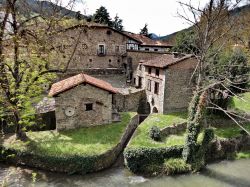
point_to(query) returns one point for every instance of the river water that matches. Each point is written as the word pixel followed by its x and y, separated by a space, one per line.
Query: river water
pixel 222 174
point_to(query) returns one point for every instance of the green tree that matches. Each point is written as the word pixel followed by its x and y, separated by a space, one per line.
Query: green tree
pixel 25 62
pixel 212 26
pixel 144 30
pixel 102 16
pixel 186 42
pixel 117 23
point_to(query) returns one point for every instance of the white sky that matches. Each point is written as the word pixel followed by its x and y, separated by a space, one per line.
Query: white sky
pixel 160 15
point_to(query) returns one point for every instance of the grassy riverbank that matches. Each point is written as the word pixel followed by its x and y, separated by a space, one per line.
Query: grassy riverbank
pixel 84 141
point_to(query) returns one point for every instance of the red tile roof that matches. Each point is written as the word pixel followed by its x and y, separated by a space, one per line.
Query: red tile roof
pixel 166 60
pixel 146 41
pixel 71 82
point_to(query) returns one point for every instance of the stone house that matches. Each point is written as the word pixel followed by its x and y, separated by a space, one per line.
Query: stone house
pixel 82 101
pixel 167 81
pixel 141 42
pixel 101 47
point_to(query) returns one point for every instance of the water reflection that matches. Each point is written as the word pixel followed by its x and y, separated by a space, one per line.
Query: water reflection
pixel 223 174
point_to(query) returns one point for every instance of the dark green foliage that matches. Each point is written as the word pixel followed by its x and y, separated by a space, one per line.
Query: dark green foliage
pixel 117 23
pixel 140 158
pixel 231 65
pixel 102 16
pixel 67 164
pixel 186 43
pixel 144 30
pixel 155 133
pixel 193 127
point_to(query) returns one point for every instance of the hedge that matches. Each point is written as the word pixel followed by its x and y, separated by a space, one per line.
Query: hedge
pixel 137 159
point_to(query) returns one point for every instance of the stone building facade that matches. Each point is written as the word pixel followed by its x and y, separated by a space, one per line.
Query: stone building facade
pixel 82 101
pixel 98 46
pixel 167 81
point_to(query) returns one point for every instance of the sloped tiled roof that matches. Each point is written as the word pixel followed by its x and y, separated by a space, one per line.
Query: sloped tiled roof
pixel 146 41
pixel 71 82
pixel 165 60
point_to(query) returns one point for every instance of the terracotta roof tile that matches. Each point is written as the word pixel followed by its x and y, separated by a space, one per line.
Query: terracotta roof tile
pixel 71 82
pixel 165 60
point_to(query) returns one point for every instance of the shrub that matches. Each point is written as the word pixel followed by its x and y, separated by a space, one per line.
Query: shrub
pixel 155 133
pixel 138 159
pixel 176 166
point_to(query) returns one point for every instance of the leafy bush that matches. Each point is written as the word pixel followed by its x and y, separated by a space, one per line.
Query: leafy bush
pixel 176 166
pixel 155 133
pixel 138 159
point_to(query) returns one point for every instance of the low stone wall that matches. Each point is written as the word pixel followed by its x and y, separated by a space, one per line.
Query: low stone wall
pixel 70 164
pixel 174 129
pixel 138 160
pixel 181 127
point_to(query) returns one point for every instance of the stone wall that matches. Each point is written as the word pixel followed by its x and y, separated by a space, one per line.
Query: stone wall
pixel 129 102
pixel 77 98
pixel 179 86
pixel 75 164
pixel 137 56
pixel 84 42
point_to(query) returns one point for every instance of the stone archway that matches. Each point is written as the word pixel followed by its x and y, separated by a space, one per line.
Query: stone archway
pixel 155 110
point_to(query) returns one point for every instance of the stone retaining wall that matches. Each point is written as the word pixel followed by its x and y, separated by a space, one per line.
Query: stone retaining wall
pixel 174 129
pixel 72 164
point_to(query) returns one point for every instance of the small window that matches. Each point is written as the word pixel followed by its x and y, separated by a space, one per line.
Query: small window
pixel 101 49
pixel 146 49
pixel 156 90
pixel 118 60
pixel 90 60
pixel 149 85
pixel 149 70
pixel 110 60
pixel 155 49
pixel 140 67
pixel 109 32
pixel 89 106
pixel 117 49
pixel 157 72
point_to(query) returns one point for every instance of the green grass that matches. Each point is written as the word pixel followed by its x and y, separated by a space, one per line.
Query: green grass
pixel 84 141
pixel 243 155
pixel 142 139
pixel 230 132
pixel 241 104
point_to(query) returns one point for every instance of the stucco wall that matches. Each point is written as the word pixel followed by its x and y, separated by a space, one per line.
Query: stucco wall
pixel 179 86
pixel 76 98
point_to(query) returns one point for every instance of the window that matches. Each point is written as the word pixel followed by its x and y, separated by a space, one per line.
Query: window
pixel 89 106
pixel 110 60
pixel 146 49
pixel 90 60
pixel 140 67
pixel 156 91
pixel 101 49
pixel 139 82
pixel 149 85
pixel 117 49
pixel 157 72
pixel 155 49
pixel 149 70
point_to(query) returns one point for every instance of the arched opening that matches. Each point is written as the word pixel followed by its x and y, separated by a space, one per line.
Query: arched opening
pixel 155 110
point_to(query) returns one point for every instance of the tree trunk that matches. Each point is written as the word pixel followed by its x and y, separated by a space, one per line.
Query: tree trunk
pixel 20 134
pixel 195 115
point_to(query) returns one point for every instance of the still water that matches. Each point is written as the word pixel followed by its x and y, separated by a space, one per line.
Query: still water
pixel 223 174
